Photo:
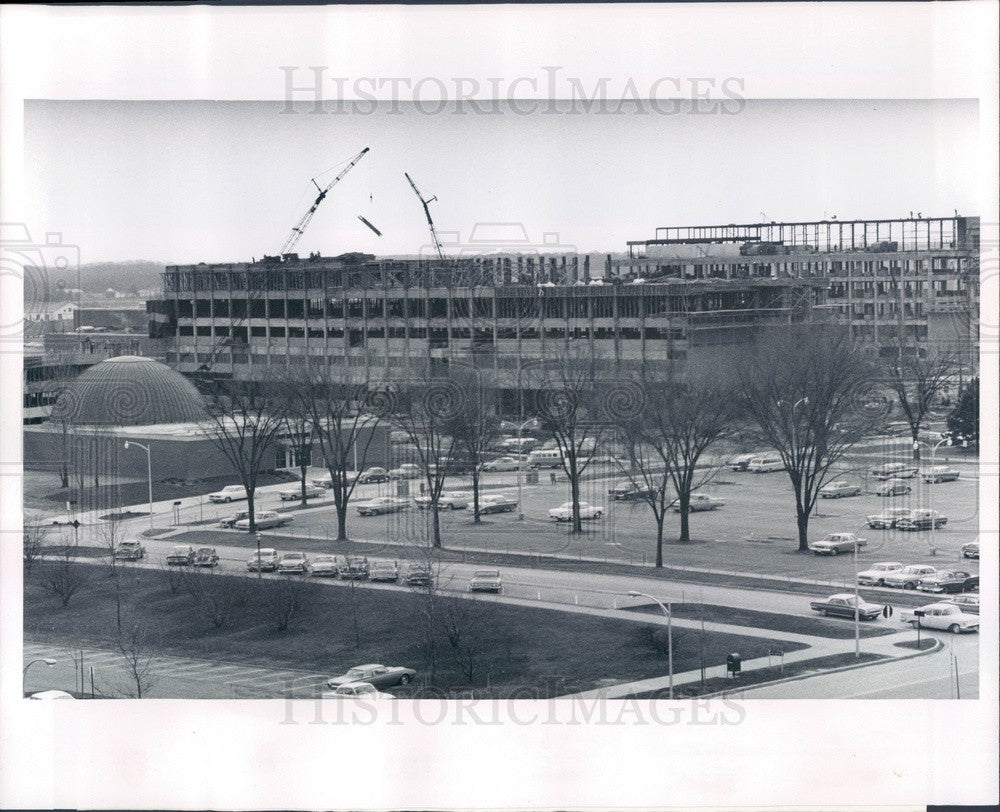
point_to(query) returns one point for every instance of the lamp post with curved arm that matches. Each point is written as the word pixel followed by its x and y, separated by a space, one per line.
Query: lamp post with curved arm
pixel 520 466
pixel 930 501
pixel 149 472
pixel 47 660
pixel 670 633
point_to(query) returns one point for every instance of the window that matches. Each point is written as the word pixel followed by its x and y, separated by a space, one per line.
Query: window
pixel 204 330
pixel 296 332
pixel 276 308
pixel 296 309
pixel 221 307
pixel 277 332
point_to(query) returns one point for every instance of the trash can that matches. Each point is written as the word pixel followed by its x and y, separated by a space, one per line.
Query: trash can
pixel 531 477
pixel 403 488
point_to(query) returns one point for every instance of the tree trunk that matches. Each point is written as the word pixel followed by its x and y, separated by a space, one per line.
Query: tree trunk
pixel 575 494
pixel 659 539
pixel 342 522
pixel 915 433
pixel 802 518
pixel 684 503
pixel 251 514
pixel 64 464
pixel 435 525
pixel 475 494
pixel 302 476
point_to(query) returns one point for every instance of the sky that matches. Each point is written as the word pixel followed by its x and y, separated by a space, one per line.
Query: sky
pixel 210 181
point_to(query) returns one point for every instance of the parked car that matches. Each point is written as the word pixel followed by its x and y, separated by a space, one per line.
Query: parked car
pixel 407 470
pixel 699 501
pixel 448 500
pixel 887 518
pixel 230 493
pixel 922 519
pixel 846 605
pixel 418 575
pixel 742 461
pixel 967 603
pixel 47 696
pixel 494 503
pixel 372 476
pixel 838 489
pixel 941 473
pixel 324 566
pixel 948 581
pixel 875 574
pixel 293 564
pixel 355 568
pixel 357 690
pixel 894 470
pixel 502 464
pixel 265 520
pixel 835 543
pixel 230 521
pixel 970 550
pixel 384 571
pixel 381 676
pixel 766 464
pixel 206 557
pixel 294 494
pixel 383 504
pixel 629 492
pixel 564 513
pixel 942 616
pixel 130 551
pixel 908 577
pixel 486 581
pixel 181 556
pixel 893 487
pixel 266 560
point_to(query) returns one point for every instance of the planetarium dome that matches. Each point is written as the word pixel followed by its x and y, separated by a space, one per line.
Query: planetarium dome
pixel 129 391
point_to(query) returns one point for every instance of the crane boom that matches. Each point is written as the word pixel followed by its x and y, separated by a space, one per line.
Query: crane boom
pixel 427 212
pixel 299 229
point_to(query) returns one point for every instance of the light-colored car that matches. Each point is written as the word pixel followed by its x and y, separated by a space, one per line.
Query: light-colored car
pixel 564 513
pixel 448 500
pixel 486 581
pixel 943 616
pixel 699 501
pixel 181 556
pixel 766 464
pixel 325 566
pixel 970 550
pixel 887 518
pixel 407 470
pixel 909 576
pixel 266 560
pixel 231 493
pixel 355 568
pixel 494 503
pixel 130 551
pixel 295 494
pixel 967 603
pixel 384 571
pixel 383 504
pixel 894 470
pixel 922 519
pixel 838 489
pixel 741 461
pixel 381 676
pixel 418 574
pixel 265 520
pixel 893 487
pixel 835 543
pixel 941 473
pixel 502 464
pixel 230 521
pixel 47 696
pixel 357 690
pixel 875 574
pixel 293 564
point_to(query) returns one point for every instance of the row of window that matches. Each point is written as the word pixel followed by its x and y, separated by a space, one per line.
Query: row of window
pixel 356 337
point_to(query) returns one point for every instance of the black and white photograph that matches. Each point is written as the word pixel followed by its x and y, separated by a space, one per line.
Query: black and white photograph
pixel 404 410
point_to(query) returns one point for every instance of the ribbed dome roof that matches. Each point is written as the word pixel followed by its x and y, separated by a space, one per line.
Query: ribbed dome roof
pixel 129 391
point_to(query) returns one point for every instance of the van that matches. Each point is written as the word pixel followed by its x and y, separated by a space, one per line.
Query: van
pixel 766 463
pixel 550 458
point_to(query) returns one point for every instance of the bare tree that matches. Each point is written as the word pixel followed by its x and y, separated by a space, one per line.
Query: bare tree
pixel 218 597
pixel 244 419
pixel 64 577
pixel 476 427
pixel 298 429
pixel 35 536
pixel 342 425
pixel 916 381
pixel 469 624
pixel 806 389
pixel 283 600
pixel 134 644
pixel 176 577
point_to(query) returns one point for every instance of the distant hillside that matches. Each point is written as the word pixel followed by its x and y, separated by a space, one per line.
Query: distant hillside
pixel 97 277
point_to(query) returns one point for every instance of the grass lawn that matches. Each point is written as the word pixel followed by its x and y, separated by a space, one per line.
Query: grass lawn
pixel 496 648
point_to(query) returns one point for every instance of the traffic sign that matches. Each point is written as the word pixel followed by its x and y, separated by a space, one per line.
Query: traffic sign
pixel 887 611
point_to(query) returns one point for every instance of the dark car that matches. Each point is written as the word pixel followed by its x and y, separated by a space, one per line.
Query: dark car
pixel 970 550
pixel 355 568
pixel 843 605
pixel 381 676
pixel 922 519
pixel 181 556
pixel 629 492
pixel 949 581
pixel 129 551
pixel 206 557
pixel 418 575
pixel 373 476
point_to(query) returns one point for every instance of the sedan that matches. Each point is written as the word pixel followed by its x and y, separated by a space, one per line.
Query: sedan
pixel 383 504
pixel 373 476
pixel 384 571
pixel 265 520
pixel 293 494
pixel 835 490
pixel 564 513
pixel 699 501
pixel 266 560
pixel 502 464
pixel 129 551
pixel 846 605
pixel 875 575
pixel 206 557
pixel 406 471
pixel 908 577
pixel 742 461
pixel 381 676
pixel 967 603
pixel 893 487
pixel 293 564
pixel 943 616
pixel 486 581
pixel 230 521
pixel 358 690
pixel 834 543
pixel 325 566
pixel 230 493
pixel 922 519
pixel 181 556
pixel 894 470
pixel 970 550
pixel 495 503
pixel 941 473
pixel 948 581
pixel 629 492
pixel 887 518
pixel 448 500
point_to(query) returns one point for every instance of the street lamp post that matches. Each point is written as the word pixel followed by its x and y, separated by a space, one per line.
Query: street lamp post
pixel 149 473
pixel 48 661
pixel 930 500
pixel 670 633
pixel 520 466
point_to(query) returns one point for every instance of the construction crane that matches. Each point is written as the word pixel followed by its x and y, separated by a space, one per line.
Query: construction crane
pixel 427 212
pixel 303 224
